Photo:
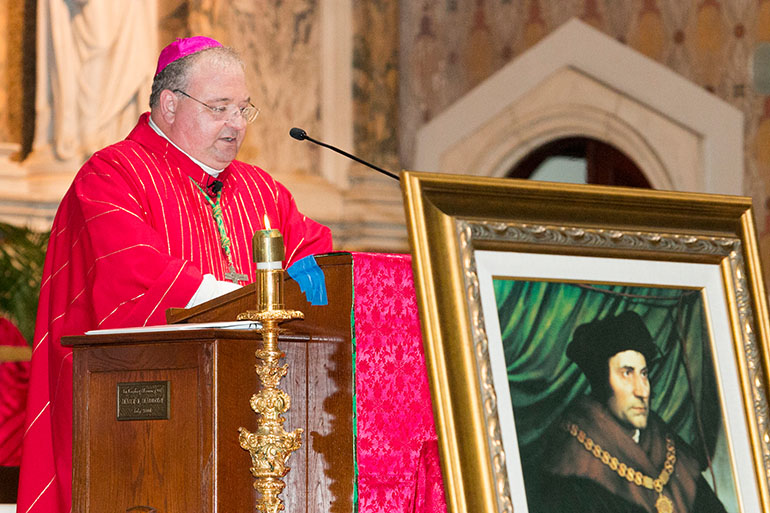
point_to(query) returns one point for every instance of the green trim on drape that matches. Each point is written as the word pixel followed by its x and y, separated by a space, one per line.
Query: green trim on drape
pixel 537 320
pixel 355 397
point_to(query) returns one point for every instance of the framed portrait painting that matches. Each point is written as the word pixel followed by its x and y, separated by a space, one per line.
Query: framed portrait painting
pixel 592 348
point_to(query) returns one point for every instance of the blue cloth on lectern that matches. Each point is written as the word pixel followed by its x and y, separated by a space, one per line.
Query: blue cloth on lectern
pixel 311 280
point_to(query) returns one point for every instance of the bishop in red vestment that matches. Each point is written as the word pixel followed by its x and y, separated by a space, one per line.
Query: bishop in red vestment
pixel 135 234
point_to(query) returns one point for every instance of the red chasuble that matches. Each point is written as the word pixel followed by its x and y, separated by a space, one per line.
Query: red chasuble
pixel 132 237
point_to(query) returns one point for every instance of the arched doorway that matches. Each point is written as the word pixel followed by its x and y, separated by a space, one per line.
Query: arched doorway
pixel 580 160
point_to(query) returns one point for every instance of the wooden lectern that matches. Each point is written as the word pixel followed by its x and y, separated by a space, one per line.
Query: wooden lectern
pixel 156 414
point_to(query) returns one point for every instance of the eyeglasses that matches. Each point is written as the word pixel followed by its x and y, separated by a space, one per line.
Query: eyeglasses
pixel 226 112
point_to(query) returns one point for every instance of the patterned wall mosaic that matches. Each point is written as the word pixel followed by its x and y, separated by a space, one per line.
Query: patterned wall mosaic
pixel 280 43
pixel 376 81
pixel 449 46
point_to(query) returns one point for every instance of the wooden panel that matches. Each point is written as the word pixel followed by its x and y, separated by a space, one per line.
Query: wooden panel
pixel 319 381
pixel 156 463
pixel 330 428
pixel 295 384
pixel 236 381
pixel 9 484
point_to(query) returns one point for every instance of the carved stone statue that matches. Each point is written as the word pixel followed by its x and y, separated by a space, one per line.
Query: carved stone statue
pixel 95 62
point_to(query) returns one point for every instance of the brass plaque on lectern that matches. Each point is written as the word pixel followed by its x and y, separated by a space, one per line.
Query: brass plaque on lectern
pixel 144 400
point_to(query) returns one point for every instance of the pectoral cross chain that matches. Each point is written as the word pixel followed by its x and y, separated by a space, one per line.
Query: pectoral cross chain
pixel 216 212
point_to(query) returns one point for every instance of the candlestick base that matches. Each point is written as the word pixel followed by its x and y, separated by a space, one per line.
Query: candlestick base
pixel 270 446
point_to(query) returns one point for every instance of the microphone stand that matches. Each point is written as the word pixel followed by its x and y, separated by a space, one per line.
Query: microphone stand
pixel 300 135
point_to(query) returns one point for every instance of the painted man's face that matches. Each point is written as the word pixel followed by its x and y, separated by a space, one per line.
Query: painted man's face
pixel 630 385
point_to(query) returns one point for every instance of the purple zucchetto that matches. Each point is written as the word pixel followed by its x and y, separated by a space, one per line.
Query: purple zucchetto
pixel 182 48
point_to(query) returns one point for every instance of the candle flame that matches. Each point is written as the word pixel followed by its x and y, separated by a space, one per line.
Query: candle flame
pixel 267 222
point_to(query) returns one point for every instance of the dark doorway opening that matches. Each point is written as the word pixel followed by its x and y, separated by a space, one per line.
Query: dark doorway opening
pixel 580 160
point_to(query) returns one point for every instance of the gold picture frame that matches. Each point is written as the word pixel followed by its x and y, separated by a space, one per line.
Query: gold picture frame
pixel 455 222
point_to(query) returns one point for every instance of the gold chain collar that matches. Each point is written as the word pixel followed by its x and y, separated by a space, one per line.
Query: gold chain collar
pixel 663 504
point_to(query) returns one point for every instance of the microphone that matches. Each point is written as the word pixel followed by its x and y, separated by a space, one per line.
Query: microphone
pixel 215 186
pixel 300 135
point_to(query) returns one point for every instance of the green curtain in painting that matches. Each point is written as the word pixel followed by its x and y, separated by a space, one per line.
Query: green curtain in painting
pixel 537 320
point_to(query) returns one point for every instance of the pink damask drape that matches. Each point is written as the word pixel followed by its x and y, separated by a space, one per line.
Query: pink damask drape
pixel 397 452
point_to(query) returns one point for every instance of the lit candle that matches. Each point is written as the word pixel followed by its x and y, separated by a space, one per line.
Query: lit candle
pixel 268 249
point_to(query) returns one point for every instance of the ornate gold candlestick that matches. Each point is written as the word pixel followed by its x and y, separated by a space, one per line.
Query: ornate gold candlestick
pixel 270 446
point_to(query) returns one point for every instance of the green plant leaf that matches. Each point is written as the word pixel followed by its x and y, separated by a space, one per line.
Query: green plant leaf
pixel 22 254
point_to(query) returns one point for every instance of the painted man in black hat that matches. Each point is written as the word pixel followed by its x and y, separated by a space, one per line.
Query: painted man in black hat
pixel 609 452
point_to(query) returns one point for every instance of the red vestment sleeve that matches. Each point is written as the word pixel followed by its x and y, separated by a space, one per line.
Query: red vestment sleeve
pixel 14 377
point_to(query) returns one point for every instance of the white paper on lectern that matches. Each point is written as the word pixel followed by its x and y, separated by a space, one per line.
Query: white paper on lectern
pixel 223 325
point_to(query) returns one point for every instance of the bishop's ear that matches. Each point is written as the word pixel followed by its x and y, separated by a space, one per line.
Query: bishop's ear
pixel 168 104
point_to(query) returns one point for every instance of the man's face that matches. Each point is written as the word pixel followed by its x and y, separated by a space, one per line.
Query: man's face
pixel 195 128
pixel 630 386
